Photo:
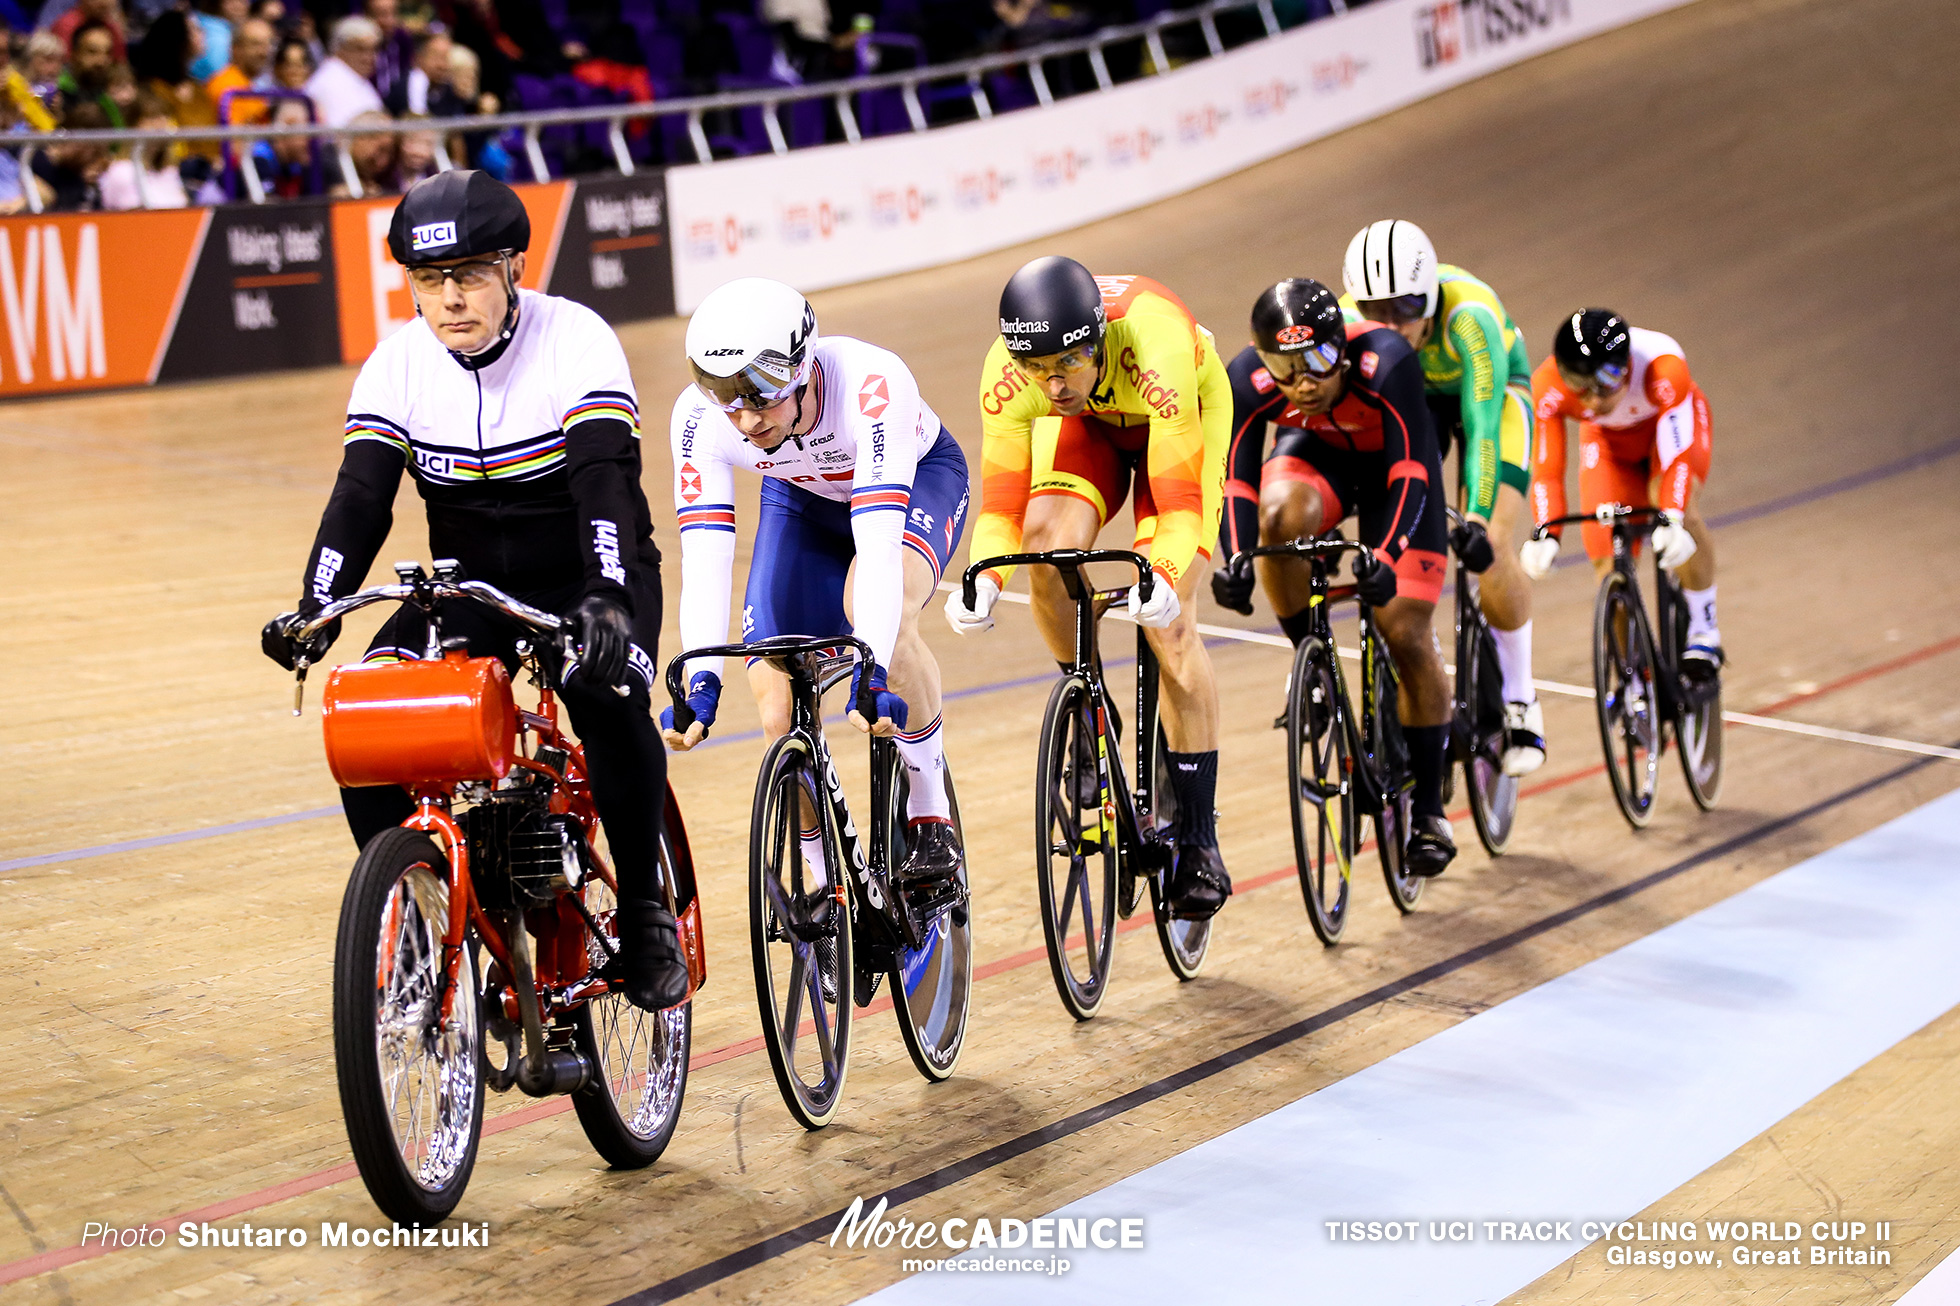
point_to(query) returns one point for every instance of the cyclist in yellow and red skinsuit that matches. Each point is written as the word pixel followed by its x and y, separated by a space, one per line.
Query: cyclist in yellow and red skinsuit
pixel 1091 380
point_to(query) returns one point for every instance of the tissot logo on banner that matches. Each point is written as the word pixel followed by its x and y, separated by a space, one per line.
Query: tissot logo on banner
pixel 1446 32
pixel 431 234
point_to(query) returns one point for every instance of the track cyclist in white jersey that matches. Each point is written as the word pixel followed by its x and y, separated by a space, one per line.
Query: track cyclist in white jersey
pixel 864 495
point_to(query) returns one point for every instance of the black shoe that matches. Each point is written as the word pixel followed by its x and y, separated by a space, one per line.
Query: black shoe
pixel 935 856
pixel 650 962
pixel 1199 884
pixel 1702 660
pixel 1431 846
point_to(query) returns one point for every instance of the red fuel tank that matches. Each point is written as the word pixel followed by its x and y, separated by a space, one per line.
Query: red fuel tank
pixel 419 722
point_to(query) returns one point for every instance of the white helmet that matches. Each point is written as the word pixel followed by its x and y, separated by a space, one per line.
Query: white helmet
pixel 1392 259
pixel 750 343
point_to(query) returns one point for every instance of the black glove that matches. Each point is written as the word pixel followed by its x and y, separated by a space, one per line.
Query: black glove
pixel 1374 579
pixel 605 633
pixel 1472 545
pixel 1232 583
pixel 278 642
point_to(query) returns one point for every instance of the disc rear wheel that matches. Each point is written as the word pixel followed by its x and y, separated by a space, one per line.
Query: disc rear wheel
pixel 932 985
pixel 1698 720
pixel 1480 695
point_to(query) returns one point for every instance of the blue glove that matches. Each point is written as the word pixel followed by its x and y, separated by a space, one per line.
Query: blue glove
pixel 703 697
pixel 887 703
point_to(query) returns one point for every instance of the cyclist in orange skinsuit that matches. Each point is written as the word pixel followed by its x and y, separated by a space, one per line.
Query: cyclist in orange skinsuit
pixel 1092 379
pixel 1643 422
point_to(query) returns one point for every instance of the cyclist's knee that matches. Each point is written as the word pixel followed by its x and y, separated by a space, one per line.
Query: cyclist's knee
pixel 1287 511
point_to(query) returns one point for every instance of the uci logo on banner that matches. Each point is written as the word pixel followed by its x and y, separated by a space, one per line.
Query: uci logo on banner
pixel 431 234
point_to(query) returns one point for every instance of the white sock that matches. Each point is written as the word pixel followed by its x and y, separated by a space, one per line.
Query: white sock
pixel 1701 612
pixel 1514 660
pixel 812 844
pixel 924 756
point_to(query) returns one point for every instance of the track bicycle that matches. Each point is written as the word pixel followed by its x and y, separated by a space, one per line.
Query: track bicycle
pixel 810 939
pixel 500 856
pixel 1477 722
pixel 1339 767
pixel 1097 841
pixel 1639 690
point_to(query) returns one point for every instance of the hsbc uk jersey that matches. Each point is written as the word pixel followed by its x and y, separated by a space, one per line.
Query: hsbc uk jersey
pixel 868 429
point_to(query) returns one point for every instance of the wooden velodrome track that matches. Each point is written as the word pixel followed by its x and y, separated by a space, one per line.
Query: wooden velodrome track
pixel 1776 182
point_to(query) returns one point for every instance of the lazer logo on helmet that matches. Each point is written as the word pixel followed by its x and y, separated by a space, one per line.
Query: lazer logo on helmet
pixel 1020 327
pixel 431 234
pixel 723 353
pixel 1076 335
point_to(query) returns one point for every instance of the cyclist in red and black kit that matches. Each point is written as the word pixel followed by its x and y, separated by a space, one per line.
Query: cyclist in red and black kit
pixel 1352 435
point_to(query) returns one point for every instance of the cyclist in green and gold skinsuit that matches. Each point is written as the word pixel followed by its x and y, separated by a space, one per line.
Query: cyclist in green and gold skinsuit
pixel 1478 379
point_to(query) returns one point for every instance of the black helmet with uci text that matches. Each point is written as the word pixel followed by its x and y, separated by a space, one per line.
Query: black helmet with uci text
pixel 1297 326
pixel 457 214
pixel 1594 347
pixel 1051 306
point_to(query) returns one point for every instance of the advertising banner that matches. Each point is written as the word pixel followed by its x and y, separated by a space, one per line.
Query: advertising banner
pixel 615 256
pixel 373 293
pixel 261 297
pixel 90 300
pixel 842 213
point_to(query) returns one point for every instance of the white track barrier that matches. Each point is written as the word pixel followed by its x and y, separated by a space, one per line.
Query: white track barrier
pixel 842 213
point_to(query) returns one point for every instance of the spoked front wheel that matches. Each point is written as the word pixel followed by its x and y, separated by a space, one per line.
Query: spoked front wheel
pixel 1075 848
pixel 1320 787
pixel 1625 698
pixel 932 985
pixel 411 1075
pixel 799 936
pixel 639 1058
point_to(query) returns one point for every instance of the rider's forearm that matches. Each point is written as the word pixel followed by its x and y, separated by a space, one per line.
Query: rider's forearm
pixel 878 590
pixel 707 564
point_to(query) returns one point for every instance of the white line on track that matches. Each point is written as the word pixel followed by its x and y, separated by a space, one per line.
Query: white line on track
pixel 1580 691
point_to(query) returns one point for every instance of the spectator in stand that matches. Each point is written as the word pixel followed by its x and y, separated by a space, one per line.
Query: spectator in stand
pixel 107 12
pixel 373 153
pixel 68 170
pixel 91 58
pixel 43 63
pixel 249 70
pixel 273 11
pixel 395 55
pixel 415 155
pixel 220 20
pixel 342 90
pixel 19 105
pixel 289 166
pixel 802 35
pixel 293 66
pixel 122 89
pixel 429 90
pixel 162 184
pixel 163 67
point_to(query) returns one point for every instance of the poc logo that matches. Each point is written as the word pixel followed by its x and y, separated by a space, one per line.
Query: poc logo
pixel 431 234
pixel 1076 335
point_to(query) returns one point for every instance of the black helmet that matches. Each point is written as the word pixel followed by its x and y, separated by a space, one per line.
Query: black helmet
pixel 1595 346
pixel 1051 305
pixel 1301 317
pixel 456 214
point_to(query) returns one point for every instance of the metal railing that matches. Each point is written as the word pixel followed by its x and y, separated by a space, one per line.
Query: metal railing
pixel 769 101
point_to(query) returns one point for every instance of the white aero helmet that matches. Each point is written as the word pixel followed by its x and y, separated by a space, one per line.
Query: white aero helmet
pixel 1392 260
pixel 750 343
